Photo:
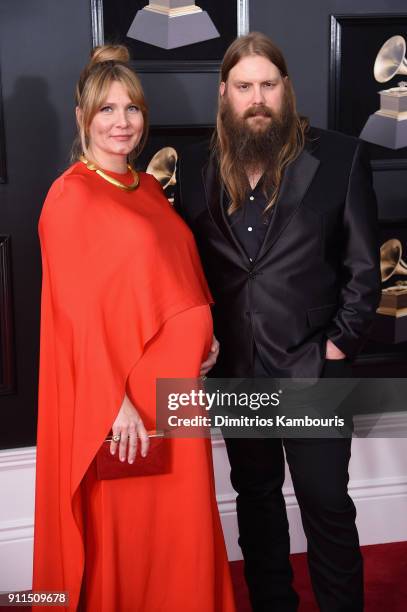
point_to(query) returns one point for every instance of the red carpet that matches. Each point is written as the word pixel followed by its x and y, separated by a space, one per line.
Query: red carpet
pixel 385 580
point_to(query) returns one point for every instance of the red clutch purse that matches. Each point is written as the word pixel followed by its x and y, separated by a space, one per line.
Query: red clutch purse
pixel 157 461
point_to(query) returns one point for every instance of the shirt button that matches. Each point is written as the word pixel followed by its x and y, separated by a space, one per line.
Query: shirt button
pixel 251 198
pixel 250 259
pixel 249 229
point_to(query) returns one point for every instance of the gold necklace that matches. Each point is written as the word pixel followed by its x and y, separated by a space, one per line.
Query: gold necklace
pixel 91 166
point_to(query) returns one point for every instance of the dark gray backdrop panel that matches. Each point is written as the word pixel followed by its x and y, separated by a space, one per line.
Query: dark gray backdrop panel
pixel 43 46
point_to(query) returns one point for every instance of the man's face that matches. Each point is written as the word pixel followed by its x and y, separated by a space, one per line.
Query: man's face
pixel 254 88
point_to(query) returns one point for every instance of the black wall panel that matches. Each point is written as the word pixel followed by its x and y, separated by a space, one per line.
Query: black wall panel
pixel 43 46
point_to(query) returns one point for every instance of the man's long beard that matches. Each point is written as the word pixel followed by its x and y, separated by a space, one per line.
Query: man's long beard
pixel 256 148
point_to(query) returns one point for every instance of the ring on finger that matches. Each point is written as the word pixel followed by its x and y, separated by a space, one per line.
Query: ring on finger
pixel 116 438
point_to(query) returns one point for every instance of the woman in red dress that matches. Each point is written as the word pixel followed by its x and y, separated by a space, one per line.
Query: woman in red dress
pixel 124 301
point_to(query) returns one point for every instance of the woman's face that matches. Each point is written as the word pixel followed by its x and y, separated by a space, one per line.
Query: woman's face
pixel 117 127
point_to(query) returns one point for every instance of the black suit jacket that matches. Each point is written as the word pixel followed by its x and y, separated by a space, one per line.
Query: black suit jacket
pixel 317 274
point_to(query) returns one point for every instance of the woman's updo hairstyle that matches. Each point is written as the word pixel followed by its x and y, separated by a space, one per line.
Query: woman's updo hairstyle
pixel 108 63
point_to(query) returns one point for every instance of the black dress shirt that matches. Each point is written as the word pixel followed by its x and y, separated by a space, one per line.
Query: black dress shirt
pixel 249 223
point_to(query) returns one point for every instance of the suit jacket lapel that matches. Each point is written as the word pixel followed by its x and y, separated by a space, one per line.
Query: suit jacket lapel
pixel 296 181
pixel 215 201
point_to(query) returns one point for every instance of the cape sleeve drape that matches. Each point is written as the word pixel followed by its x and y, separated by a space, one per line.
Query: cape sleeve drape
pixel 103 299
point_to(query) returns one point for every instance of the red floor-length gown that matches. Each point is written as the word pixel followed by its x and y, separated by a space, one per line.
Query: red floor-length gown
pixel 124 301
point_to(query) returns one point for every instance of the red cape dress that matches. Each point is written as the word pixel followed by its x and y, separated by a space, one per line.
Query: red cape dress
pixel 124 300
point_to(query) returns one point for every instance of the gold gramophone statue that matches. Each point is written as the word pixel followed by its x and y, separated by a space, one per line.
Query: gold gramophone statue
pixel 394 298
pixel 163 167
pixel 390 324
pixel 388 126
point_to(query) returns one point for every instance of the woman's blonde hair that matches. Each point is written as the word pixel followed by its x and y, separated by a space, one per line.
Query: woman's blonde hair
pixel 108 63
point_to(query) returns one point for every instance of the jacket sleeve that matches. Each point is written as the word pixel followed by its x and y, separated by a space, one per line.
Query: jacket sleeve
pixel 361 286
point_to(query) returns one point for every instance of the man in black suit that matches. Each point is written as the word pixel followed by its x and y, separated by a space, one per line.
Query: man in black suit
pixel 285 219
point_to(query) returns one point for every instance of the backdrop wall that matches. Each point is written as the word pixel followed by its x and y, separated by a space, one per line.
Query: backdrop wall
pixel 43 46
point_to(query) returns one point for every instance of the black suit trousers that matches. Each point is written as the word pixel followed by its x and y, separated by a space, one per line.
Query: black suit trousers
pixel 319 471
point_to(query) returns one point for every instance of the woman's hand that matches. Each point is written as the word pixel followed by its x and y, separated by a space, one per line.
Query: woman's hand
pixel 211 358
pixel 129 426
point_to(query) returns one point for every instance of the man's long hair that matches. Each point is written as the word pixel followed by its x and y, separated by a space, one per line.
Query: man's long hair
pixel 234 179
